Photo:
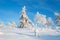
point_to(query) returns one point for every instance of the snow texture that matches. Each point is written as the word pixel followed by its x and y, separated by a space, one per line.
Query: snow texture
pixel 25 33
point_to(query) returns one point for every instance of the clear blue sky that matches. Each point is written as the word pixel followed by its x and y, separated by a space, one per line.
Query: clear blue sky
pixel 9 9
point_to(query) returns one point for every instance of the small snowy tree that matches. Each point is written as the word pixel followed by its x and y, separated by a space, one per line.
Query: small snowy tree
pixel 50 23
pixel 1 24
pixel 8 25
pixel 37 31
pixel 13 24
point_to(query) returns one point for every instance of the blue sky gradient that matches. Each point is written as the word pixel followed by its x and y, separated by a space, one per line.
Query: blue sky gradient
pixel 10 9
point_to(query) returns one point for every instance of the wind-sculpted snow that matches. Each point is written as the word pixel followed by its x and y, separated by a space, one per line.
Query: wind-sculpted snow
pixel 25 33
pixel 49 32
pixel 16 34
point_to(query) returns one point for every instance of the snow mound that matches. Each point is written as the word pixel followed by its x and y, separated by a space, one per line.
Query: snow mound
pixel 1 33
pixel 49 32
pixel 25 34
pixel 17 34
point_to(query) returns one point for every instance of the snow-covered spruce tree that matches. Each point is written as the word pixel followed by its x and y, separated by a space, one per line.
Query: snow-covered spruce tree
pixel 57 20
pixel 24 21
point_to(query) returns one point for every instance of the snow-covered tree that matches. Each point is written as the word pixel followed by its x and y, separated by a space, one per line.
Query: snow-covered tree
pixel 40 18
pixel 24 20
pixel 57 21
pixel 50 23
pixel 1 24
pixel 57 18
pixel 8 24
pixel 37 31
pixel 13 24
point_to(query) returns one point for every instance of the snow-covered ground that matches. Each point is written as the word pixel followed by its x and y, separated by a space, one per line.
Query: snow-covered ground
pixel 28 34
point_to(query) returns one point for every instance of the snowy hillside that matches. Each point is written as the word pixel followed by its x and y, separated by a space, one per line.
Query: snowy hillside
pixel 24 34
pixel 16 34
pixel 27 30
